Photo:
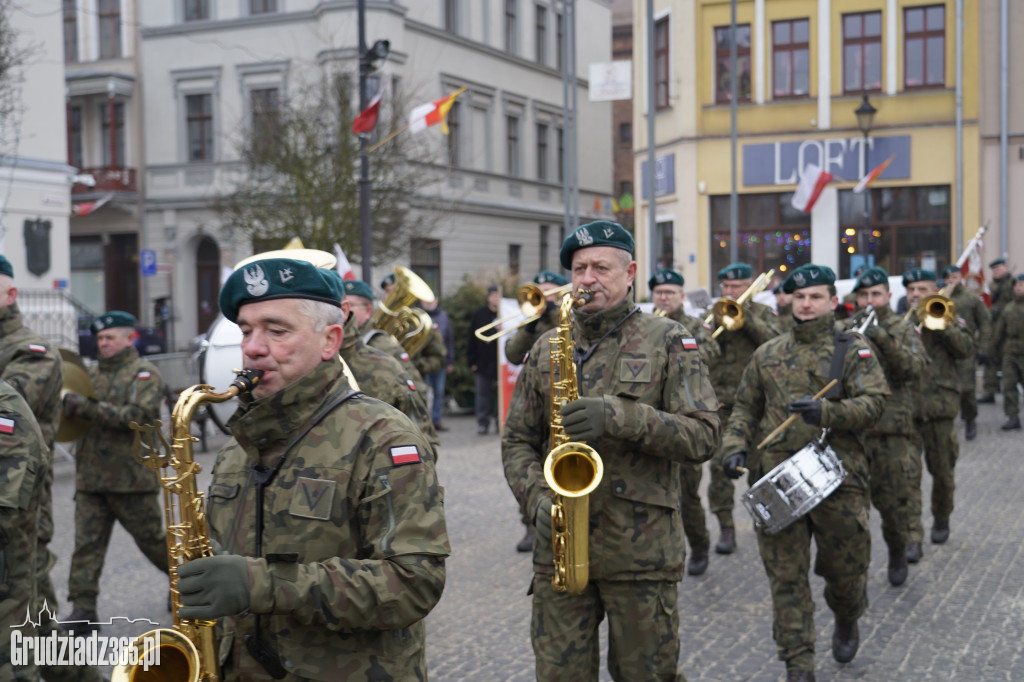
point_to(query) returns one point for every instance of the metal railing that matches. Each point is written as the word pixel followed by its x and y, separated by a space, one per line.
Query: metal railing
pixel 53 314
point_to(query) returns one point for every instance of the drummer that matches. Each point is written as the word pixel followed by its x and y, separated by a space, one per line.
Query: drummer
pixel 781 379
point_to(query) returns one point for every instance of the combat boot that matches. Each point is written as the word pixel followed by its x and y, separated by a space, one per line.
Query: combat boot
pixel 914 552
pixel 970 429
pixel 1012 423
pixel 795 675
pixel 845 640
pixel 726 541
pixel 897 567
pixel 940 531
pixel 987 398
pixel 526 544
pixel 698 562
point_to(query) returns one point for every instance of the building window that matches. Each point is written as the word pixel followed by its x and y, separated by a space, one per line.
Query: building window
pixel 512 145
pixel 664 254
pixel 560 164
pixel 558 41
pixel 75 137
pixel 909 227
pixel 542 151
pixel 70 31
pixel 544 246
pixel 115 160
pixel 862 52
pixel 723 70
pixel 199 120
pixel 425 261
pixel 511 27
pixel 661 64
pixel 772 234
pixel 264 111
pixel 197 10
pixel 110 29
pixel 924 46
pixel 626 132
pixel 514 251
pixel 541 35
pixel 791 74
pixel 454 134
pixel 451 16
pixel 262 6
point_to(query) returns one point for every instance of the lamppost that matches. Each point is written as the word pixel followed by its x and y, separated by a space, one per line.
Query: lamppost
pixel 367 59
pixel 865 121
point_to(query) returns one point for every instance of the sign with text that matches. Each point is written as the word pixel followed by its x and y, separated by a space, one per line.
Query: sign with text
pixel 611 81
pixel 782 163
pixel 664 176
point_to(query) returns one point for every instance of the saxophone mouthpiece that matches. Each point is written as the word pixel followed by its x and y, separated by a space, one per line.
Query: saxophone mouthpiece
pixel 583 297
pixel 246 379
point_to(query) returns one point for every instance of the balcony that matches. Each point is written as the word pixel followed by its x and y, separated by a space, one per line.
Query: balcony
pixel 108 180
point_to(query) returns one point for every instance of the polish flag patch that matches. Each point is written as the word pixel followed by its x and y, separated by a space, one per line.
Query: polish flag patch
pixel 411 384
pixel 36 348
pixel 405 357
pixel 144 374
pixel 690 343
pixel 6 425
pixel 405 454
pixel 864 352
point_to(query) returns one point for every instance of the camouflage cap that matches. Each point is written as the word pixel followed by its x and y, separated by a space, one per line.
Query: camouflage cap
pixel 274 278
pixel 548 277
pixel 113 318
pixel 949 270
pixel 997 261
pixel 387 281
pixel 5 267
pixel 357 287
pixel 919 275
pixel 808 275
pixel 736 271
pixel 665 276
pixel 597 233
pixel 871 277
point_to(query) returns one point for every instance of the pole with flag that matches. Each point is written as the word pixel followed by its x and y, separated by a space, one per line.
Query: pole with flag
pixel 873 175
pixel 343 267
pixel 812 183
pixel 366 121
pixel 970 266
pixel 424 116
pixel 86 207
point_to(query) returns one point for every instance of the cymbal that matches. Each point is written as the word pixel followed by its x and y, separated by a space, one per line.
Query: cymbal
pixel 76 380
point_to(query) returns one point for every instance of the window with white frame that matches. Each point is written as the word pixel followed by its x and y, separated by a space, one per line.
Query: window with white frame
pixel 199 126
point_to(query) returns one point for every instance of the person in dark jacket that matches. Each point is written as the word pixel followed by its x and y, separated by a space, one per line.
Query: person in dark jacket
pixel 482 357
pixel 436 380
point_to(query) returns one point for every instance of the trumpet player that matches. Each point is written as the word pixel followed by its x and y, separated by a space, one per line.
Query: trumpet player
pixel 1009 335
pixel 646 406
pixel 888 444
pixel 1001 288
pixel 972 310
pixel 760 325
pixel 947 341
pixel 522 341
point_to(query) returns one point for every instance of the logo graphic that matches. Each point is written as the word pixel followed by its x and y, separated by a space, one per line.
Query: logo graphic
pixel 799 279
pixel 255 281
pixel 583 237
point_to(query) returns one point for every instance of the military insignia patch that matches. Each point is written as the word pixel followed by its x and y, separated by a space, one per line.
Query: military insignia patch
pixel 690 343
pixel 144 374
pixel 405 357
pixel 864 352
pixel 6 425
pixel 255 281
pixel 635 371
pixel 312 498
pixel 286 275
pixel 799 279
pixel 36 348
pixel 405 454
pixel 583 237
pixel 411 384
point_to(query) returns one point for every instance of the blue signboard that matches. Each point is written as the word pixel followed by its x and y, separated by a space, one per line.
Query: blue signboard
pixel 664 176
pixel 147 262
pixel 782 163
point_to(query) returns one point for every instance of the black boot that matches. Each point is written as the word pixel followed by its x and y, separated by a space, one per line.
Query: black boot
pixel 794 675
pixel 526 544
pixel 970 429
pixel 845 641
pixel 1012 423
pixel 897 567
pixel 726 541
pixel 940 531
pixel 698 562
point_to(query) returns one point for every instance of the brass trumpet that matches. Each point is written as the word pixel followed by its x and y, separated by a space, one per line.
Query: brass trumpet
pixel 532 304
pixel 935 311
pixel 729 313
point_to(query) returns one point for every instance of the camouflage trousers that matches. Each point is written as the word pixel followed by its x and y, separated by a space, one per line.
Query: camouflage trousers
pixel 692 509
pixel 990 381
pixel 941 449
pixel 721 488
pixel 890 463
pixel 1013 374
pixel 46 593
pixel 95 513
pixel 967 368
pixel 643 631
pixel 839 527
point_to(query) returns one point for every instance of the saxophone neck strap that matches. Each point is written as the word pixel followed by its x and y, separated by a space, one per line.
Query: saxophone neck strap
pixel 581 357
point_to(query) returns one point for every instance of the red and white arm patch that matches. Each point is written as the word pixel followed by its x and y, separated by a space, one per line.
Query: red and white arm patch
pixel 411 384
pixel 405 357
pixel 6 425
pixel 689 343
pixel 36 348
pixel 864 352
pixel 144 374
pixel 405 454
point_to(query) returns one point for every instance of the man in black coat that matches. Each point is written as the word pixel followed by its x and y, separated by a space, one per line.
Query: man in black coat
pixel 482 357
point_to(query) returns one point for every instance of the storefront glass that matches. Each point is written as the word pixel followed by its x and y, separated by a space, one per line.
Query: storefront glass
pixel 772 234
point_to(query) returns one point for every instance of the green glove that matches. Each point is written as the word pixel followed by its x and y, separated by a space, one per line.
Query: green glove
pixel 78 405
pixel 213 586
pixel 542 519
pixel 583 419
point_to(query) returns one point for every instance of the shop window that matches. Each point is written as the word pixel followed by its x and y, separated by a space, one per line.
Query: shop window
pixel 791 70
pixel 723 70
pixel 862 52
pixel 772 234
pixel 924 47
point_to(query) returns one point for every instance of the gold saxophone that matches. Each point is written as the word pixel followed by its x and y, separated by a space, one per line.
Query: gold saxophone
pixel 187 653
pixel 572 469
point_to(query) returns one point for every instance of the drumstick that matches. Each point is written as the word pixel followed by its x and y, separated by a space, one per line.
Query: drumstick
pixel 793 417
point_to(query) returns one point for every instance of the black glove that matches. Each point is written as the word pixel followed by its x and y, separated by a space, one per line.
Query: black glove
pixel 78 405
pixel 213 586
pixel 984 359
pixel 733 463
pixel 583 419
pixel 808 408
pixel 542 519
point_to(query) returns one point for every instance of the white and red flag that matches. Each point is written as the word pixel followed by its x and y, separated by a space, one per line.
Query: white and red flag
pixel 812 182
pixel 86 207
pixel 426 115
pixel 971 267
pixel 873 175
pixel 344 267
pixel 367 118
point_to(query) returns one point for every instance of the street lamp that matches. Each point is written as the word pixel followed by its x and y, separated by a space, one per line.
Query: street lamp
pixel 865 121
pixel 865 116
pixel 367 61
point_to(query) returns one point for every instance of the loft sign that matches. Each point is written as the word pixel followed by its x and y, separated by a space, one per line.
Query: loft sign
pixel 782 163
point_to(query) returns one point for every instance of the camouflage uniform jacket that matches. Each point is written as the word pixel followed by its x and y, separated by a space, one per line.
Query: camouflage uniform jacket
pixel 354 536
pixel 795 365
pixel 938 392
pixel 382 341
pixel 971 308
pixel 660 411
pixel 430 360
pixel 737 347
pixel 1010 328
pixel 903 358
pixel 382 377
pixel 23 455
pixel 128 389
pixel 709 348
pixel 521 343
pixel 1002 295
pixel 784 318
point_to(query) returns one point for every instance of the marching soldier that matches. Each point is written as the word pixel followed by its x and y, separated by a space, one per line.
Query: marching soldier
pixel 667 293
pixel 937 407
pixel 362 311
pixel 1009 335
pixel 737 346
pixel 646 405
pixel 784 309
pixel 1001 288
pixel 971 309
pixel 522 341
pixel 889 448
pixel 782 376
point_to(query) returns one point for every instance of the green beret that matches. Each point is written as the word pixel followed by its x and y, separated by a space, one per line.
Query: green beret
pixel 1019 278
pixel 736 271
pixel 918 275
pixel 387 281
pixel 665 276
pixel 997 261
pixel 548 277
pixel 808 275
pixel 273 278
pixel 357 287
pixel 778 289
pixel 114 318
pixel 5 267
pixel 870 278
pixel 597 233
pixel 949 270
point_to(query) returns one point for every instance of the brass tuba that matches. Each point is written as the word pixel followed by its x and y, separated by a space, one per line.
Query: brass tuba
pixel 572 469
pixel 729 313
pixel 410 326
pixel 188 653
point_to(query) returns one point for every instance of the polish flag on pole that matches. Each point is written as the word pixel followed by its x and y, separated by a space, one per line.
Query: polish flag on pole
pixel 873 175
pixel 367 119
pixel 344 267
pixel 812 182
pixel 971 267
pixel 86 207
pixel 426 115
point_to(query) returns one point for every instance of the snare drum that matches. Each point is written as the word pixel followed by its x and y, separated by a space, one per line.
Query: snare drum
pixel 794 487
